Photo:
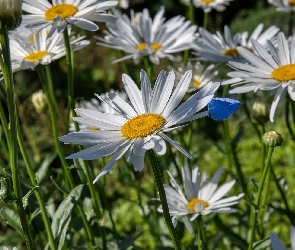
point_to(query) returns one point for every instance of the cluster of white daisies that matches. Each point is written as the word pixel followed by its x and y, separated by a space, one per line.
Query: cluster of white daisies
pixel 134 123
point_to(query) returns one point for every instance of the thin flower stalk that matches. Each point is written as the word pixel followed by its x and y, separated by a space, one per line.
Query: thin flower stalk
pixel 161 190
pixel 8 78
pixel 256 207
pixel 202 239
pixel 66 169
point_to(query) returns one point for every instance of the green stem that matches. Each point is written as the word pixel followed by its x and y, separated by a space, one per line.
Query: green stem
pixel 287 118
pixel 13 118
pixel 51 92
pixel 158 178
pixel 202 233
pixel 190 14
pixel 70 67
pixel 59 150
pixel 4 123
pixel 289 211
pixel 37 190
pixel 255 209
pixel 148 67
pixel 205 20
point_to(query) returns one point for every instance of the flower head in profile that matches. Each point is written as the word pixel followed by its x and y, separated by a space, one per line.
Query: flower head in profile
pixel 201 75
pixel 60 13
pixel 201 196
pixel 283 5
pixel 208 5
pixel 28 50
pixel 277 244
pixel 141 123
pixel 223 48
pixel 143 36
pixel 273 70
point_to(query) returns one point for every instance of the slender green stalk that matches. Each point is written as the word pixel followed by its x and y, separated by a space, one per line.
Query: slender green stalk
pixel 289 211
pixel 190 13
pixel 202 233
pixel 70 75
pixel 255 210
pixel 205 20
pixel 158 178
pixel 37 190
pixel 51 92
pixel 4 123
pixel 287 118
pixel 13 149
pixel 148 67
pixel 66 169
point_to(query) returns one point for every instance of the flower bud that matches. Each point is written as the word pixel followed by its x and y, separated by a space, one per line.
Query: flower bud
pixel 10 14
pixel 272 139
pixel 259 113
pixel 39 100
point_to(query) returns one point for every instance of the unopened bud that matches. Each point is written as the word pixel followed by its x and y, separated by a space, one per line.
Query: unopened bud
pixel 259 113
pixel 272 139
pixel 39 101
pixel 10 14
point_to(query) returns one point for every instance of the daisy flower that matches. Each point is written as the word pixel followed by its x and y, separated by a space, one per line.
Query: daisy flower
pixel 201 74
pixel 201 196
pixel 101 106
pixel 268 71
pixel 142 36
pixel 277 244
pixel 219 48
pixel 283 5
pixel 28 53
pixel 141 124
pixel 208 5
pixel 60 13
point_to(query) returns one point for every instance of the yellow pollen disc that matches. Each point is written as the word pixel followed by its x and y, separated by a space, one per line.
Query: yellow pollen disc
pixel 62 10
pixel 34 57
pixel 284 73
pixel 207 1
pixel 93 128
pixel 292 2
pixel 196 84
pixel 142 125
pixel 155 46
pixel 191 205
pixel 233 52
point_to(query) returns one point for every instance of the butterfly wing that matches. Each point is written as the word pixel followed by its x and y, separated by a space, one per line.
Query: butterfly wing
pixel 222 108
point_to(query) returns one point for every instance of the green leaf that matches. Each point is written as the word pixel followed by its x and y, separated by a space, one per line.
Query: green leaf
pixel 79 165
pixel 12 218
pixel 124 244
pixel 262 244
pixel 62 216
pixel 42 171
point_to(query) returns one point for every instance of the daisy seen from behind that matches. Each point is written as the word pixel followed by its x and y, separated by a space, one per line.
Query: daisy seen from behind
pixel 141 36
pixel 223 47
pixel 141 124
pixel 201 75
pixel 283 5
pixel 201 196
pixel 36 49
pixel 208 5
pixel 82 13
pixel 273 70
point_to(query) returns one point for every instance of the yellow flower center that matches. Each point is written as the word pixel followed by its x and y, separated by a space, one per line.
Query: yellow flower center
pixel 155 46
pixel 62 10
pixel 142 125
pixel 207 1
pixel 233 52
pixel 37 56
pixel 292 2
pixel 191 205
pixel 196 83
pixel 284 73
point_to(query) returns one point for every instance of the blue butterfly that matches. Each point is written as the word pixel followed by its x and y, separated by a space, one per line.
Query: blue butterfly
pixel 222 108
